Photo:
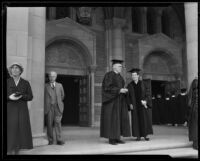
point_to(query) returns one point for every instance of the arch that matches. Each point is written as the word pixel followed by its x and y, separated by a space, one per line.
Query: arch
pixel 161 64
pixel 85 52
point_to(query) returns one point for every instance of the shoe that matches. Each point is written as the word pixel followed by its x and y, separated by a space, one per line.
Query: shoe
pixel 60 142
pixel 112 142
pixel 120 141
pixel 147 139
pixel 50 142
pixel 138 139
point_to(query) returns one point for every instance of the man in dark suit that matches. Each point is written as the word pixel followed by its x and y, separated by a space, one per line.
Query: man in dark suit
pixel 53 108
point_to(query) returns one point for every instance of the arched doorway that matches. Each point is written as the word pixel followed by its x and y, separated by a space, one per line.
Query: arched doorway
pixel 162 72
pixel 71 60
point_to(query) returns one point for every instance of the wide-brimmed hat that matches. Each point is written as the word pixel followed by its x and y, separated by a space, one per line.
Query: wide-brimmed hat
pixel 19 65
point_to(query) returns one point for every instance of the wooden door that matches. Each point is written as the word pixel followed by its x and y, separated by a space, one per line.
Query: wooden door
pixel 84 104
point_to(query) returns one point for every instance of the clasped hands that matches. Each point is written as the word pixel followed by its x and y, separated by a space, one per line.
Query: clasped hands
pixel 14 98
pixel 123 90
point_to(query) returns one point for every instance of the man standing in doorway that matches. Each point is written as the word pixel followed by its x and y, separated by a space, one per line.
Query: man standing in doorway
pixel 53 108
pixel 114 112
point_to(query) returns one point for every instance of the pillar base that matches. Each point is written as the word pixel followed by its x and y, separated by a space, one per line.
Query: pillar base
pixel 40 140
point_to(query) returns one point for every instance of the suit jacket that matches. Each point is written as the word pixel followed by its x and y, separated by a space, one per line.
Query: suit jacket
pixel 60 97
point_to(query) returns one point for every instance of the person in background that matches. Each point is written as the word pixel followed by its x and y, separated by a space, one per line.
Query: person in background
pixel 167 109
pixel 193 116
pixel 183 106
pixel 139 105
pixel 160 104
pixel 114 121
pixel 53 108
pixel 19 92
pixel 174 108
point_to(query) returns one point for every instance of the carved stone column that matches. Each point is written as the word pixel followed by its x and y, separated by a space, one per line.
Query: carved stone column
pixel 92 69
pixel 52 13
pixel 191 19
pixel 117 45
pixel 143 24
pixel 108 36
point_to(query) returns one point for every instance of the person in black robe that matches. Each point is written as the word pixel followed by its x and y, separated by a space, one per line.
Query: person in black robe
pixel 167 109
pixel 114 120
pixel 193 116
pixel 154 110
pixel 19 92
pixel 183 106
pixel 139 104
pixel 174 109
pixel 160 109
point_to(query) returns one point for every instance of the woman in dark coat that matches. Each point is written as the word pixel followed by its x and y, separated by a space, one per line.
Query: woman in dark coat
pixel 174 109
pixel 141 116
pixel 193 117
pixel 19 91
pixel 167 108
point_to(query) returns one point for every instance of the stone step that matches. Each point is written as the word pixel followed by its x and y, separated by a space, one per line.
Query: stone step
pixel 187 152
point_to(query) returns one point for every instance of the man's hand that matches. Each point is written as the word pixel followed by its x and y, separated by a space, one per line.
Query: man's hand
pixel 131 106
pixel 14 98
pixel 123 90
pixel 144 103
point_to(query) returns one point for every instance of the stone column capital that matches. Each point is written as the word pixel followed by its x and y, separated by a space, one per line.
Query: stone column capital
pixel 108 24
pixel 92 68
pixel 118 22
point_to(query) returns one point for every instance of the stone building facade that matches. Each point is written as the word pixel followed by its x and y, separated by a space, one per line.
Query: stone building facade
pixel 79 44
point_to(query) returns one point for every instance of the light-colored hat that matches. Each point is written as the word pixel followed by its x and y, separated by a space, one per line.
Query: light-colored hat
pixel 19 65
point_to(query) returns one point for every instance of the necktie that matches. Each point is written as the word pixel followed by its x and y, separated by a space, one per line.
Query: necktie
pixel 52 86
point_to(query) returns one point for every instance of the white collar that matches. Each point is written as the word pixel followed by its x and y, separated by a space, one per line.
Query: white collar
pixel 54 83
pixel 116 72
pixel 183 94
pixel 17 82
pixel 167 98
pixel 173 95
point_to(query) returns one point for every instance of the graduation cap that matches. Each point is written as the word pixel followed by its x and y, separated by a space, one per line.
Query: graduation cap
pixel 134 70
pixel 117 61
pixel 183 90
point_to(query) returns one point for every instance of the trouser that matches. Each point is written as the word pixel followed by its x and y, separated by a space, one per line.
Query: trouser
pixel 54 117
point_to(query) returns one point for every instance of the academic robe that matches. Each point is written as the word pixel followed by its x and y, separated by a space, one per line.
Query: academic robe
pixel 19 134
pixel 141 118
pixel 174 110
pixel 167 116
pixel 114 120
pixel 154 112
pixel 183 108
pixel 161 110
pixel 193 116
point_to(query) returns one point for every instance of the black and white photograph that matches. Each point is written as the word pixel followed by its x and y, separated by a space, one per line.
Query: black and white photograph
pixel 100 79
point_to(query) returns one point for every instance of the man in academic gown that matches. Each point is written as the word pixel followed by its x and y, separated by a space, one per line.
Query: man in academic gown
pixel 114 112
pixel 167 108
pixel 183 106
pixel 174 109
pixel 160 109
pixel 139 104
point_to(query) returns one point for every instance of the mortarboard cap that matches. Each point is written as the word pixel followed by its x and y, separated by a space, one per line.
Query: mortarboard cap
pixel 133 70
pixel 117 61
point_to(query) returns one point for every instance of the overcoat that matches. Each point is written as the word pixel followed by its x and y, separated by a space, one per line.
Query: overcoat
pixel 18 121
pixel 114 120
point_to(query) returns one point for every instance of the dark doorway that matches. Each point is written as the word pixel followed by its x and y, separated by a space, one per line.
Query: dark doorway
pixel 71 101
pixel 158 87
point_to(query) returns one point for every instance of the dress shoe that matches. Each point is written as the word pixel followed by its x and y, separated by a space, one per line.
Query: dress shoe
pixel 147 139
pixel 50 142
pixel 120 141
pixel 60 142
pixel 112 142
pixel 138 139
